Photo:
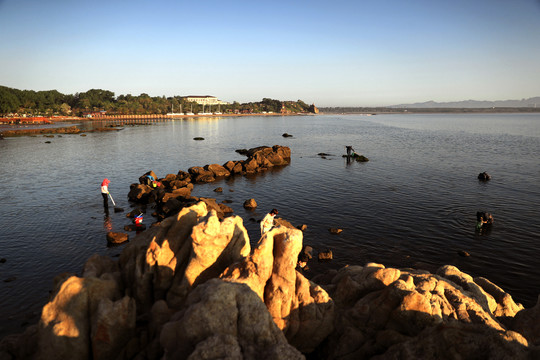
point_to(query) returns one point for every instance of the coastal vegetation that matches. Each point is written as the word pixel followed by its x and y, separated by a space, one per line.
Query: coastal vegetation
pixel 52 102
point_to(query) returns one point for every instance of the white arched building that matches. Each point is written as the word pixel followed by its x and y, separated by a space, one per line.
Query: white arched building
pixel 205 100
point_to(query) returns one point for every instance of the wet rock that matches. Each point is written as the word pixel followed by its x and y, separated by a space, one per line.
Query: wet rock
pixel 463 253
pixel 302 227
pixel 171 206
pixel 168 178
pixel 242 151
pixel 116 237
pixel 198 138
pixel 361 158
pixel 183 176
pixel 226 209
pixel 133 227
pixel 325 256
pixel 307 251
pixel 201 175
pixel 234 167
pixel 250 166
pixel 335 231
pixel 217 170
pixel 140 193
pixel 3 260
pixel 178 184
pixel 211 204
pixel 250 204
pixel 484 176
pixel 181 193
pixel 218 189
pixel 358 157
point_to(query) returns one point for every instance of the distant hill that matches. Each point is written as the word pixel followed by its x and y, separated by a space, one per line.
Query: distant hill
pixel 472 104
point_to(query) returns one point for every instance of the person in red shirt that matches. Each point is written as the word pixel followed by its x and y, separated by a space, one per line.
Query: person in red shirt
pixel 105 193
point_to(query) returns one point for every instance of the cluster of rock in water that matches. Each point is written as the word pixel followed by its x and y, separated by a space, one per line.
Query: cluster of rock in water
pixel 193 287
pixel 174 193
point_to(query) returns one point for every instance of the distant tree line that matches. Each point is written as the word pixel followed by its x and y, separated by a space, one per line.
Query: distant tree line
pixel 52 102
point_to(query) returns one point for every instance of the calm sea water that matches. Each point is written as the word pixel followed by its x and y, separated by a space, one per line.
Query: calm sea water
pixel 412 205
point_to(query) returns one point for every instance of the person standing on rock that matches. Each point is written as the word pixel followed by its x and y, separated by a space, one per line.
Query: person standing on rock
pixel 268 221
pixel 350 151
pixel 105 193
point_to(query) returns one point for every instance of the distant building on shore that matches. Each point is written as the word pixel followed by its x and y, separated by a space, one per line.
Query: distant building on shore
pixel 205 100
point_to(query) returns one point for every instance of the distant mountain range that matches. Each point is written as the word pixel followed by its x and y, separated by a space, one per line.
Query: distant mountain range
pixel 471 104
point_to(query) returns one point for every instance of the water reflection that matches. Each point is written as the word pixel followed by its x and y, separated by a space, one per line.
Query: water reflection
pixel 107 222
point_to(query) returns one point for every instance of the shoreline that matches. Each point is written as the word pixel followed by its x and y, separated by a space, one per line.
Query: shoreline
pixel 54 119
pixel 40 126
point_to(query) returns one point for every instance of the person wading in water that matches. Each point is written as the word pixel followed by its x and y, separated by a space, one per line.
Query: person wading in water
pixel 105 193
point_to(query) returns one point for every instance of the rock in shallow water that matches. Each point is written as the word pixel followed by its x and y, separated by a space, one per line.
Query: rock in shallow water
pixel 116 237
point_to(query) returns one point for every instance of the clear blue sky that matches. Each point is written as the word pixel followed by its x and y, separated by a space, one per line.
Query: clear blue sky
pixel 331 53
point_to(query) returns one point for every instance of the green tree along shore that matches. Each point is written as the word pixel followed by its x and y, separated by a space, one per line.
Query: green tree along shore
pixel 52 102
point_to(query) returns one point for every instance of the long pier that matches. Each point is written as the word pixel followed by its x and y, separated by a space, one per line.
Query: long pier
pixel 124 119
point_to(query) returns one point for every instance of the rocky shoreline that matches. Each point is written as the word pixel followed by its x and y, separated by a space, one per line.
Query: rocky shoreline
pixel 192 286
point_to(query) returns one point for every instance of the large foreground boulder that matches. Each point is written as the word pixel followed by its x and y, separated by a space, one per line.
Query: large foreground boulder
pixel 388 312
pixel 223 320
pixel 85 314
